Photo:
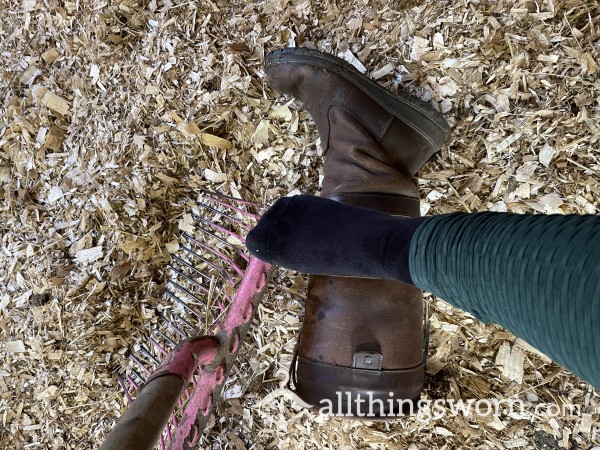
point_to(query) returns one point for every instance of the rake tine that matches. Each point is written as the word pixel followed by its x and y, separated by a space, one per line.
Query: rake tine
pixel 135 385
pixel 220 305
pixel 190 266
pixel 168 429
pixel 180 301
pixel 121 382
pixel 138 375
pixel 191 280
pixel 186 322
pixel 233 265
pixel 172 325
pixel 164 336
pixel 141 364
pixel 177 329
pixel 157 346
pixel 146 352
pixel 204 289
pixel 211 233
pixel 235 208
pixel 172 421
pixel 215 210
pixel 221 229
pixel 228 197
pixel 210 263
pixel 185 305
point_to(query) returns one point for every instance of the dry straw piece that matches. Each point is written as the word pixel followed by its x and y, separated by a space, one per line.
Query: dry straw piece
pixel 114 114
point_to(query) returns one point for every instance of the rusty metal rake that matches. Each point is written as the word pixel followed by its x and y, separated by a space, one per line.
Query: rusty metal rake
pixel 213 289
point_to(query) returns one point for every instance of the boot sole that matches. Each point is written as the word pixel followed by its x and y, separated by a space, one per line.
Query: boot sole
pixel 411 110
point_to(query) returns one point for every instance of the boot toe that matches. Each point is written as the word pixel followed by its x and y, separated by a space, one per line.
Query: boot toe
pixel 289 78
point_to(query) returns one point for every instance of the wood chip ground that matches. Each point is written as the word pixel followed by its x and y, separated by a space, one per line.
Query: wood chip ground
pixel 114 112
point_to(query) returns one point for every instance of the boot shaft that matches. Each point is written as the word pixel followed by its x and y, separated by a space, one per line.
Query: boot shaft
pixel 359 315
pixel 356 162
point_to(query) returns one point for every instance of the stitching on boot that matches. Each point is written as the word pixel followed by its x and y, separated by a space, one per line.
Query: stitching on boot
pixel 386 128
pixel 325 144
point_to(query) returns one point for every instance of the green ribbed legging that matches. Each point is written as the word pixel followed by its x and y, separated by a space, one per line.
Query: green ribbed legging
pixel 537 276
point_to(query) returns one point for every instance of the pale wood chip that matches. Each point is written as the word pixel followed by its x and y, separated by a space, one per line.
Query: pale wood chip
pixel 89 255
pixel 50 55
pixel 14 347
pixel 510 361
pixel 56 103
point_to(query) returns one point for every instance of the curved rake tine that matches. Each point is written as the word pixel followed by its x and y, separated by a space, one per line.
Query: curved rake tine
pixel 245 225
pixel 135 385
pixel 210 263
pixel 194 282
pixel 185 322
pixel 180 301
pixel 164 336
pixel 202 288
pixel 234 208
pixel 121 382
pixel 228 197
pixel 149 355
pixel 140 363
pixel 157 346
pixel 189 266
pixel 170 324
pixel 233 265
pixel 221 229
pixel 238 251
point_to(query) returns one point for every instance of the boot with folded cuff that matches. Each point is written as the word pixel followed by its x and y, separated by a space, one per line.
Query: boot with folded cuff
pixel 361 349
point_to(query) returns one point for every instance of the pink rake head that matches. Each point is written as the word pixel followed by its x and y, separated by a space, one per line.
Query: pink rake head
pixel 208 303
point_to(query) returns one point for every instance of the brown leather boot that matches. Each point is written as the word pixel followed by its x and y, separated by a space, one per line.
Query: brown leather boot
pixel 360 351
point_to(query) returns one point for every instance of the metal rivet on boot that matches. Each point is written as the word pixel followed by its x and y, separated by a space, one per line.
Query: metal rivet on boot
pixel 367 360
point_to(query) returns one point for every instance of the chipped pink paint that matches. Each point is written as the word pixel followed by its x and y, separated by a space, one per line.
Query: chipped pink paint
pixel 186 356
pixel 188 433
pixel 241 309
pixel 201 400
